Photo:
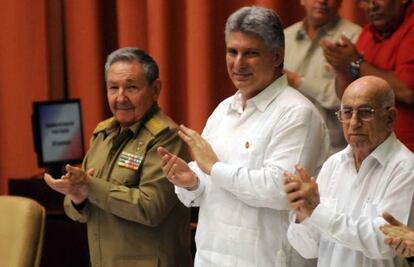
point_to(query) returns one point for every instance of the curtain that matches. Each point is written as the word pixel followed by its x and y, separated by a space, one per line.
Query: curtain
pixel 51 49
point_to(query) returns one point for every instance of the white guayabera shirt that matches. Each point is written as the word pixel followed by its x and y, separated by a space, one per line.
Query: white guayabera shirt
pixel 243 216
pixel 343 230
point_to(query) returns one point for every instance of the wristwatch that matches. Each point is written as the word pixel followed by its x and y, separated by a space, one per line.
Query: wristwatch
pixel 355 65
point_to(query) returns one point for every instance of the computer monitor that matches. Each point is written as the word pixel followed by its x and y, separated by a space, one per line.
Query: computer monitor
pixel 57 132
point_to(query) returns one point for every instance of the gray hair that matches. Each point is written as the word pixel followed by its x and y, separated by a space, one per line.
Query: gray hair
pixel 388 98
pixel 260 21
pixel 132 54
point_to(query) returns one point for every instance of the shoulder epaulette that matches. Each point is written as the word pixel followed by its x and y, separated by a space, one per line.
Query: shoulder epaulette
pixel 156 125
pixel 103 125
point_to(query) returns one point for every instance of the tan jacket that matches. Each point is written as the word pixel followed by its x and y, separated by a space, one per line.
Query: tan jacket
pixel 134 217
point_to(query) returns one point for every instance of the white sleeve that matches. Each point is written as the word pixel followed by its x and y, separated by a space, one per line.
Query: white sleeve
pixel 363 233
pixel 298 137
pixel 192 198
pixel 304 238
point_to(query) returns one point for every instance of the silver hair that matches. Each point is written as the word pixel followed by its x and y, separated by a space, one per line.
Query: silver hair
pixel 132 54
pixel 260 21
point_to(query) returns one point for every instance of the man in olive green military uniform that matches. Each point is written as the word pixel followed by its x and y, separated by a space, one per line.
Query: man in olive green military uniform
pixel 134 217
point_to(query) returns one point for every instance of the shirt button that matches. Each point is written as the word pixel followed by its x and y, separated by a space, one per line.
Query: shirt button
pixel 247 145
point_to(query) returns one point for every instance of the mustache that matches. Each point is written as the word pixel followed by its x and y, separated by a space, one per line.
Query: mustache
pixel 374 14
pixel 323 9
pixel 124 106
pixel 375 11
pixel 241 72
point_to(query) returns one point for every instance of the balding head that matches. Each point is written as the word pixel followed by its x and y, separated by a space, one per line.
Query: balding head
pixel 372 87
pixel 367 113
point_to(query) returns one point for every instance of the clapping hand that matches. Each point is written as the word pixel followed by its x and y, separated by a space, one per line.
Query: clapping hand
pixel 302 192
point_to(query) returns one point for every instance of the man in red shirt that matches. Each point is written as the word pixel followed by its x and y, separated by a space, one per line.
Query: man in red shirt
pixel 384 49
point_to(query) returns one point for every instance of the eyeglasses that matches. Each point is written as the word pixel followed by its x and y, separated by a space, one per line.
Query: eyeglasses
pixel 368 1
pixel 363 113
pixel 365 3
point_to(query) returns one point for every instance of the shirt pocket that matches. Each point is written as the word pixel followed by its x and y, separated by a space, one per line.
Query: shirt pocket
pixel 369 209
pixel 330 203
pixel 255 149
pixel 125 176
pixel 128 165
pixel 241 241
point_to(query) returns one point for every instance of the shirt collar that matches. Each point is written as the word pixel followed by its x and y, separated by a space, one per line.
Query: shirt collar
pixel 326 30
pixel 263 99
pixel 115 127
pixel 381 153
pixel 137 125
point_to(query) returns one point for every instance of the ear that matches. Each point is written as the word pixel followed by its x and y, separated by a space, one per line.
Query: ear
pixel 279 57
pixel 391 117
pixel 156 85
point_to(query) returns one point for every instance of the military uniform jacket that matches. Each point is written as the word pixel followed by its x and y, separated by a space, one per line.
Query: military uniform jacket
pixel 132 213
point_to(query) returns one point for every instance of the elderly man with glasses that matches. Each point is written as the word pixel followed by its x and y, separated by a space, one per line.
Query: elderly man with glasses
pixel 337 218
